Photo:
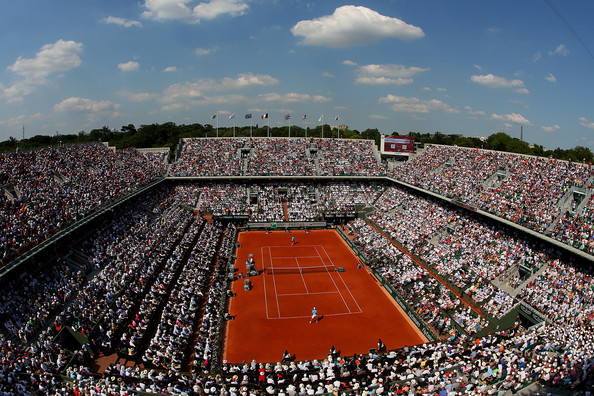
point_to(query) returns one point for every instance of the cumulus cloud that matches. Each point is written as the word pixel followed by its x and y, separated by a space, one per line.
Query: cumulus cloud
pixel 54 58
pixel 196 89
pixel 58 57
pixel 292 97
pixel 23 119
pixel 214 8
pixel 473 112
pixel 415 105
pixel 170 69
pixel 552 128
pixel 327 74
pixel 560 50
pixel 551 78
pixel 204 51
pixel 136 96
pixel 353 25
pixel 512 117
pixel 389 74
pixel 383 80
pixel 74 104
pixel 586 123
pixel 130 66
pixel 349 63
pixel 122 22
pixel 493 81
pixel 189 11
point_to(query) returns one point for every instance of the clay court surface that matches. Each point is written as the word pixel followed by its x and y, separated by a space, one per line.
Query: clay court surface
pixel 275 314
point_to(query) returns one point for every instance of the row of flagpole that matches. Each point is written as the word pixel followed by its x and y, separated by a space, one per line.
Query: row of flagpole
pixel 266 117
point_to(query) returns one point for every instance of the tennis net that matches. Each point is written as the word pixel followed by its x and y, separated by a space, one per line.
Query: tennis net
pixel 299 270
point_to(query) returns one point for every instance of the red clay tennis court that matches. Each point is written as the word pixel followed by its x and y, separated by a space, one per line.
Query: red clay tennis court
pixel 274 315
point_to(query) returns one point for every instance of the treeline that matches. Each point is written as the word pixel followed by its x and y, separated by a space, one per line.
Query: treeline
pixel 168 135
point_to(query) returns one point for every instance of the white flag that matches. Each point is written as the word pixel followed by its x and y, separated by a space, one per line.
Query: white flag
pixel 321 118
pixel 232 116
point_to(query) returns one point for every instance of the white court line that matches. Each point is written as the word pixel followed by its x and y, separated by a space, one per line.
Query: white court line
pixel 309 316
pixel 280 257
pixel 306 294
pixel 264 282
pixel 345 285
pixel 302 278
pixel 332 278
pixel 274 282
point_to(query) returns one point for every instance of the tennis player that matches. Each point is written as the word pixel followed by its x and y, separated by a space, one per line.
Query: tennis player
pixel 292 240
pixel 314 315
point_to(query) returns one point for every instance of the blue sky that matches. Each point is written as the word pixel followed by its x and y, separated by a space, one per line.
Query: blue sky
pixel 468 67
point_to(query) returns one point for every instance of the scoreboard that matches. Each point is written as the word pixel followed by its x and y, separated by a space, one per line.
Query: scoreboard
pixel 398 144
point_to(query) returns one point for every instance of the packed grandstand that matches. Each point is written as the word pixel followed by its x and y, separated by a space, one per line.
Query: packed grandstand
pixel 491 251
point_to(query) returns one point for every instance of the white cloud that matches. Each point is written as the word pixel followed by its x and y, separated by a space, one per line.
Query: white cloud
pixel 122 22
pixel 130 66
pixel 551 78
pixel 415 105
pixel 553 128
pixel 391 70
pixel 560 50
pixel 170 69
pixel 204 51
pixel 383 81
pixel 349 63
pixel 519 102
pixel 58 57
pixel 512 117
pixel 196 89
pixel 389 74
pixel 537 57
pixel 292 97
pixel 175 107
pixel 473 112
pixel 441 89
pixel 136 96
pixel 23 119
pixel 353 25
pixel 74 104
pixel 213 8
pixel 586 123
pixel 426 89
pixel 493 81
pixel 378 117
pixel 327 74
pixel 16 92
pixel 185 10
pixel 477 67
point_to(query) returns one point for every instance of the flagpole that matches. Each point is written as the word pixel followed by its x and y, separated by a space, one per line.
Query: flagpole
pixel 234 127
pixel 217 117
pixel 268 128
pixel 289 127
pixel 251 123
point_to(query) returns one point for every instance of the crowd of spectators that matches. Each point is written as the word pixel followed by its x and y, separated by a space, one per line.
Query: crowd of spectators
pixel 158 291
pixel 523 189
pixel 46 190
pixel 277 157
pixel 209 157
pixel 280 157
pixel 529 191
